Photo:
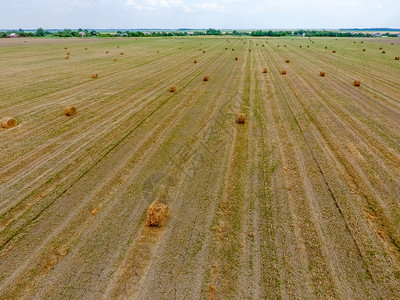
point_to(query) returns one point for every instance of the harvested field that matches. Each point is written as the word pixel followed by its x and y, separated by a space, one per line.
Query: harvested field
pixel 301 201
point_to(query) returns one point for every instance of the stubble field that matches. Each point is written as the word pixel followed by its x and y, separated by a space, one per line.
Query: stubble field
pixel 301 201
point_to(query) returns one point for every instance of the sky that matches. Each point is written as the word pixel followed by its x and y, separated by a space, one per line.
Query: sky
pixel 219 14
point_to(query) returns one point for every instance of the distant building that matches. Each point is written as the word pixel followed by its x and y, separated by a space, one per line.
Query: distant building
pixel 13 35
pixel 82 33
pixel 378 34
pixel 398 35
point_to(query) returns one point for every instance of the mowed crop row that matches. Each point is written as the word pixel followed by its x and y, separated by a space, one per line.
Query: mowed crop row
pixel 301 201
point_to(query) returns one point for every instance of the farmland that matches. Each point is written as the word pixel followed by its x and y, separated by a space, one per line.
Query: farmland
pixel 300 201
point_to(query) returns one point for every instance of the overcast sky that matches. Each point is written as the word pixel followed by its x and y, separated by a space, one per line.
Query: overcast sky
pixel 222 14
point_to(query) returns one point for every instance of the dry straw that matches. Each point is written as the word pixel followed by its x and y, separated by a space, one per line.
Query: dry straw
pixel 357 83
pixel 241 118
pixel 205 78
pixel 8 122
pixel 157 214
pixel 70 111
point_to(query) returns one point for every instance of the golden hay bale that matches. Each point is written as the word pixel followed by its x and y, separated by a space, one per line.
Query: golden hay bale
pixel 204 51
pixel 226 48
pixel 249 50
pixel 95 75
pixel 278 46
pixel 322 74
pixel 308 46
pixel 397 58
pixel 357 83
pixel 380 48
pixel 256 44
pixel 70 111
pixel 172 89
pixel 158 51
pixel 241 118
pixel 68 53
pixel 362 42
pixel 383 51
pixel 67 57
pixel 65 48
pixel 195 61
pixel 364 50
pixel 283 72
pixel 107 51
pixel 233 49
pixel 392 44
pixel 354 42
pixel 205 78
pixel 265 70
pixel 263 45
pixel 85 48
pixel 94 212
pixel 300 46
pixel 115 59
pixel 117 46
pixel 122 53
pixel 8 122
pixel 333 51
pixel 284 46
pixel 180 48
pixel 157 214
pixel 236 58
pixel 326 47
pixel 287 61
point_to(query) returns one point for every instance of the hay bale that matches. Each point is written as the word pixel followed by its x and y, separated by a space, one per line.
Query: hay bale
pixel 357 83
pixel 278 46
pixel 233 49
pixel 211 291
pixel 326 47
pixel 397 58
pixel 364 50
pixel 67 57
pixel 85 48
pixel 70 111
pixel 195 61
pixel 265 70
pixel 117 46
pixel 241 118
pixel 283 72
pixel 392 44
pixel 308 46
pixel 249 50
pixel 157 214
pixel 205 78
pixel 94 212
pixel 236 58
pixel 107 51
pixel 226 48
pixel 333 51
pixel 68 53
pixel 322 74
pixel 158 51
pixel 383 51
pixel 204 51
pixel 362 42
pixel 122 53
pixel 8 122
pixel 95 75
pixel 180 48
pixel 300 46
pixel 172 89
pixel 115 59
pixel 380 48
pixel 287 61
pixel 65 48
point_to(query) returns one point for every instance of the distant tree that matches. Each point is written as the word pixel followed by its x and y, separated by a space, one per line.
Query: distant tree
pixel 39 32
pixel 212 31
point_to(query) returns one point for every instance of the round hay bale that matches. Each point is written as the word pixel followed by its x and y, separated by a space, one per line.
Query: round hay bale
pixel 180 48
pixel 249 50
pixel 195 61
pixel 357 83
pixel 117 46
pixel 300 46
pixel 233 49
pixel 95 75
pixel 157 214
pixel 326 47
pixel 278 46
pixel 236 58
pixel 204 51
pixel 322 74
pixel 205 78
pixel 287 61
pixel 226 48
pixel 107 51
pixel 122 53
pixel 333 51
pixel 115 59
pixel 380 48
pixel 65 48
pixel 85 48
pixel 397 58
pixel 265 70
pixel 364 50
pixel 383 52
pixel 362 42
pixel 172 89
pixel 283 72
pixel 284 46
pixel 70 111
pixel 308 46
pixel 241 118
pixel 67 57
pixel 8 122
pixel 68 53
pixel 158 51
